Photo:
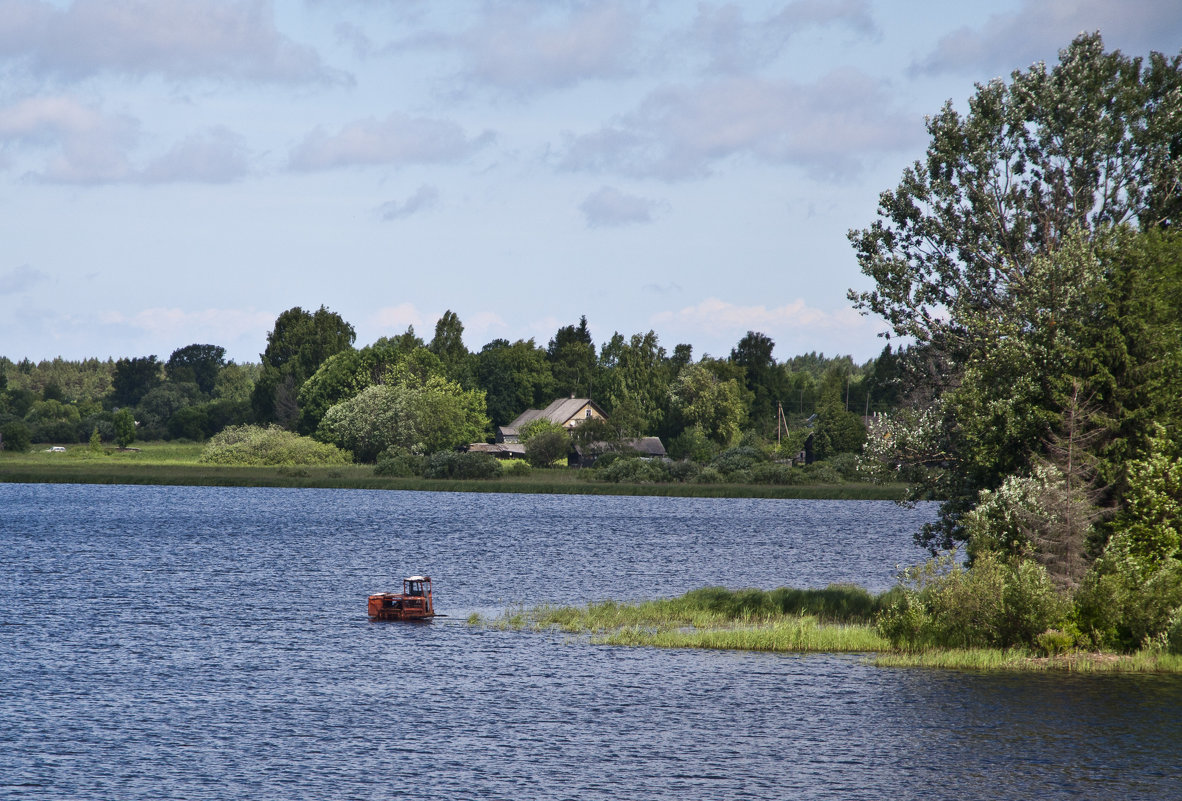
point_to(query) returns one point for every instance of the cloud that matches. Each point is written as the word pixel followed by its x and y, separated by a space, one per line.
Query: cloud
pixel 85 145
pixel 91 146
pixel 677 133
pixel 608 207
pixel 395 319
pixel 215 156
pixel 206 325
pixel 528 47
pixel 424 198
pixel 178 38
pixel 1040 28
pixel 715 317
pixel 734 44
pixel 20 279
pixel 398 139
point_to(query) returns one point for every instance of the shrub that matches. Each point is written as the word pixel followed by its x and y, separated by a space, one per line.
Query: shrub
pixel 847 465
pixel 743 457
pixel 823 473
pixel 16 436
pixel 772 473
pixel 997 603
pixel 396 462
pixel 546 447
pixel 255 445
pixel 449 464
pixel 515 467
pixel 630 470
pixel 708 475
pixel 684 471
pixel 1122 603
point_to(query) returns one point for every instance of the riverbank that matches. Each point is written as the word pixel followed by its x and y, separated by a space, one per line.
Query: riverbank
pixel 835 620
pixel 178 465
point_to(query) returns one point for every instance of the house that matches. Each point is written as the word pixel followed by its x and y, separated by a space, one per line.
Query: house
pixel 644 447
pixel 566 412
pixel 500 450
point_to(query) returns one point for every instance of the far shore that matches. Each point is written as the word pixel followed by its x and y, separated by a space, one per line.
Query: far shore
pixel 174 464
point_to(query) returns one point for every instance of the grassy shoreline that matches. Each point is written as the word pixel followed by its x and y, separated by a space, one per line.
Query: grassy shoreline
pixel 177 465
pixel 688 622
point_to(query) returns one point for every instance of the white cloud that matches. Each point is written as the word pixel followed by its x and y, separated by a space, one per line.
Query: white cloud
pixel 1038 29
pixel 166 322
pixel 20 279
pixel 393 320
pixel 215 156
pixel 720 317
pixel 609 207
pixel 424 198
pixel 734 44
pixel 177 38
pixel 398 139
pixel 827 128
pixel 89 146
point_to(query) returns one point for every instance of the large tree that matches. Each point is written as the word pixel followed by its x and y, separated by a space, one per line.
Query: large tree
pixel 1010 258
pixel 514 377
pixel 572 359
pixel 198 364
pixel 133 379
pixel 297 345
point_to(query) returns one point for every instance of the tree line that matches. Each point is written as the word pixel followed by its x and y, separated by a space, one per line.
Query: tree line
pixel 429 395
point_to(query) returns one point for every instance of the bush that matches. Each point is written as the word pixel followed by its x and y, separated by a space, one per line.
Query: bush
pixel 630 470
pixel 823 473
pixel 255 445
pixel 16 436
pixel 772 473
pixel 996 603
pixel 847 465
pixel 708 475
pixel 543 449
pixel 685 471
pixel 396 462
pixel 515 467
pixel 1122 604
pixel 743 457
pixel 449 464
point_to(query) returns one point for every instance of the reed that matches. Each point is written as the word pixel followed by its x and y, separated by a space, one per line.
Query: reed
pixel 787 635
pixel 1148 661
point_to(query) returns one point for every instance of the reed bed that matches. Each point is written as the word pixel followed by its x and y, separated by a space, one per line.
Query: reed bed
pixel 1146 661
pixel 787 635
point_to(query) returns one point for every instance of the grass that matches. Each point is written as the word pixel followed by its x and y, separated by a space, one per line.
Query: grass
pixel 746 620
pixel 177 464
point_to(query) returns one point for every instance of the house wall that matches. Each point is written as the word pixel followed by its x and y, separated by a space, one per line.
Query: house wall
pixel 581 415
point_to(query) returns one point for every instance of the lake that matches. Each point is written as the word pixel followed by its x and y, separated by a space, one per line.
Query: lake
pixel 212 643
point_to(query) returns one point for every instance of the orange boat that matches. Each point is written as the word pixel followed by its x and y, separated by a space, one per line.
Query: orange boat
pixel 413 603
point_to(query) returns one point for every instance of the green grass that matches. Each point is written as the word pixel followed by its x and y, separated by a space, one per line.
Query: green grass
pixel 177 464
pixel 720 619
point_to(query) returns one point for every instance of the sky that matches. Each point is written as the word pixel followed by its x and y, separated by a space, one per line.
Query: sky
pixel 175 172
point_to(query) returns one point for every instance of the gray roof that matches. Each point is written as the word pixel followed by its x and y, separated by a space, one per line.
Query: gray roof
pixel 557 412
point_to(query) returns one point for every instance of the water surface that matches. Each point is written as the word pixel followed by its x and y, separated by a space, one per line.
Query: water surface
pixel 209 643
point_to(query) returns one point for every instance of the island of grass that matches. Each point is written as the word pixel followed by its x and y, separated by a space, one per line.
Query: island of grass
pixel 837 619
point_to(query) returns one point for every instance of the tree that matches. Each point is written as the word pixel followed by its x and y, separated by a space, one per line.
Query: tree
pixel 198 364
pixel 1080 147
pixel 124 422
pixel 133 379
pixel 448 345
pixel 1002 256
pixel 514 377
pixel 297 345
pixel 572 359
pixel 545 442
pixel 637 382
pixel 715 407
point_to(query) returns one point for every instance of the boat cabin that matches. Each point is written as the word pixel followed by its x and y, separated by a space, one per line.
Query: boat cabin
pixel 413 603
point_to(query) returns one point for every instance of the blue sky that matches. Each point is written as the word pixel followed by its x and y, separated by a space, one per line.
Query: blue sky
pixel 181 171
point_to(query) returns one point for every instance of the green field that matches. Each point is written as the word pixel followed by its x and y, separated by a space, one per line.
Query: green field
pixel 177 464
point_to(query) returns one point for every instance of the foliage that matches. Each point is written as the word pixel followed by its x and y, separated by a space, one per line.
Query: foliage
pixel 573 363
pixel 270 445
pixel 743 457
pixel 397 462
pixel 134 378
pixel 713 407
pixel 515 377
pixel 1149 528
pixel 15 437
pixel 544 448
pixel 637 383
pixel 124 422
pixel 449 464
pixel 297 345
pixel 693 444
pixel 515 467
pixel 633 470
pixel 998 602
pixel 436 415
pixel 197 364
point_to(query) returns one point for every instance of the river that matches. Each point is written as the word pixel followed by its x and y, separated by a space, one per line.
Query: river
pixel 210 643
